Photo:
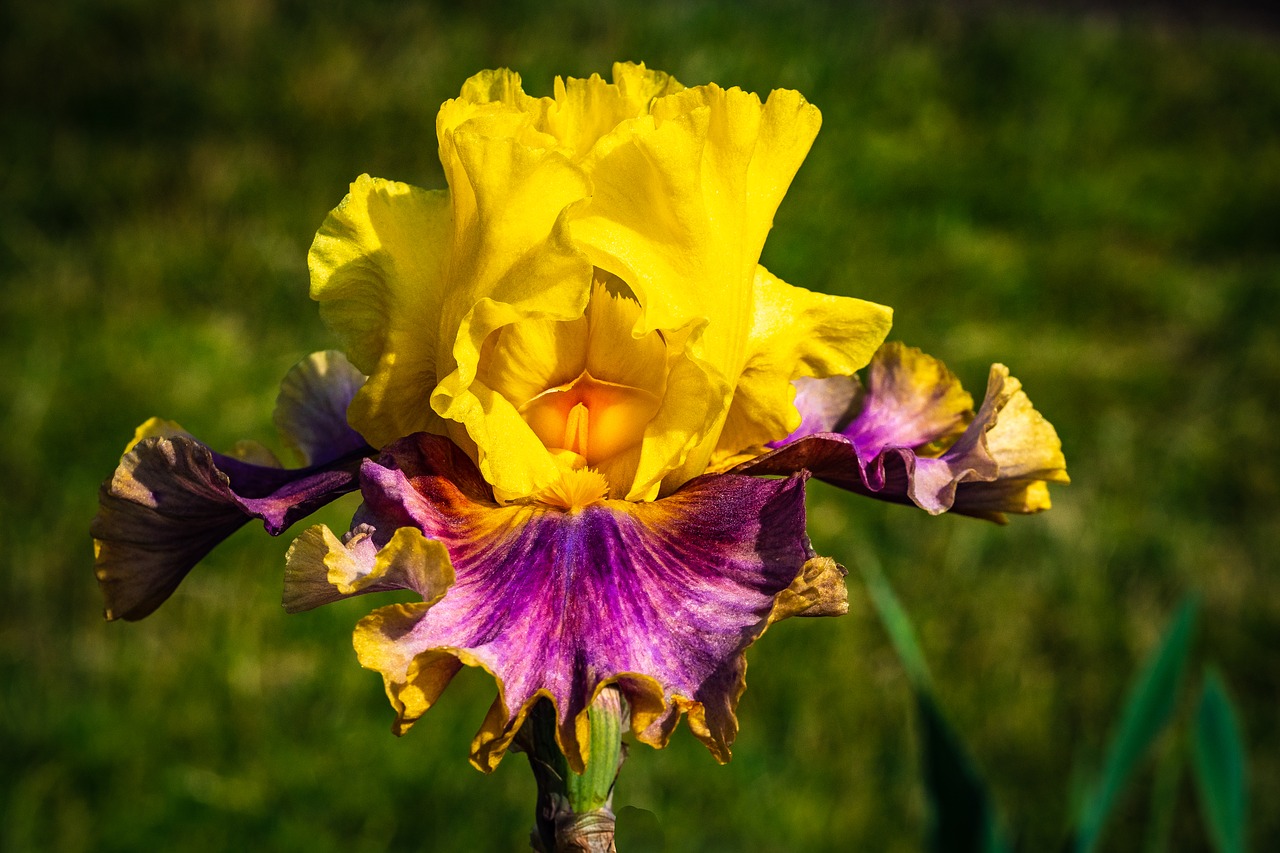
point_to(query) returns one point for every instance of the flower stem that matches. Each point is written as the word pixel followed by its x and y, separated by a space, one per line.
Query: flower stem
pixel 575 811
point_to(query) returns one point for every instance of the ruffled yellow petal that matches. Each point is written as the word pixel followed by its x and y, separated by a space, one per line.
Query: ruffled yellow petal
pixel 413 682
pixel 819 590
pixel 587 110
pixel 683 200
pixel 511 260
pixel 378 268
pixel 320 568
pixel 579 113
pixel 1027 449
pixel 410 559
pixel 1023 441
pixel 469 297
pixel 496 733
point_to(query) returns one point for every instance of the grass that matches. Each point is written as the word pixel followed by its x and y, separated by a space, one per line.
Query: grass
pixel 1089 200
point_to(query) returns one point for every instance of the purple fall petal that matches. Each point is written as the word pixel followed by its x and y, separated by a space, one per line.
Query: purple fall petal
pixel 662 598
pixel 172 499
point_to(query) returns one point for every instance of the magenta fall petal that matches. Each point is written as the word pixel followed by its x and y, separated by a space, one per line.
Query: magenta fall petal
pixel 662 598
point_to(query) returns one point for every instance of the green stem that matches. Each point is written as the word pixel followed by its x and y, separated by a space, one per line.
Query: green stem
pixel 575 811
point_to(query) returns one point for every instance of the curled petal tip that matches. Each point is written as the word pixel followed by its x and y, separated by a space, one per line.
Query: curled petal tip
pixel 910 435
pixel 320 568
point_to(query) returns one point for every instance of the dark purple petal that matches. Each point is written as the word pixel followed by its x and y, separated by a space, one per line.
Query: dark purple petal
pixel 661 598
pixel 311 410
pixel 172 500
pixel 895 474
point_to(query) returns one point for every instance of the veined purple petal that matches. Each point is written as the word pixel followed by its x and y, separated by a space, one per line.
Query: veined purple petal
pixel 911 400
pixel 172 499
pixel 911 437
pixel 661 598
pixel 822 404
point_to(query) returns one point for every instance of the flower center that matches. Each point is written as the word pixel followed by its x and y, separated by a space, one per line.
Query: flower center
pixel 587 388
pixel 587 421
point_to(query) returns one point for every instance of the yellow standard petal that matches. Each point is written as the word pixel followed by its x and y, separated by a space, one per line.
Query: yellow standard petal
pixel 580 112
pixel 478 297
pixel 510 259
pixel 684 198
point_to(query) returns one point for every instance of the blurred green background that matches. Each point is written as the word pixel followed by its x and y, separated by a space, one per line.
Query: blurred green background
pixel 1091 199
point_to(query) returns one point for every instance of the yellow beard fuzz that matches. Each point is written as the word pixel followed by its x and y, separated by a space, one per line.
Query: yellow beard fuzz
pixel 576 489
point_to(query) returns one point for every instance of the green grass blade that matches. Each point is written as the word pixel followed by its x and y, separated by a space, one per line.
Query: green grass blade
pixel 1217 750
pixel 896 622
pixel 1164 797
pixel 1149 707
pixel 963 818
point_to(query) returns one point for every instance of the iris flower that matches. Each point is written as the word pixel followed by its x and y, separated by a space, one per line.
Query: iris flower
pixel 565 379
